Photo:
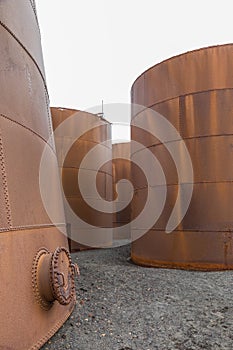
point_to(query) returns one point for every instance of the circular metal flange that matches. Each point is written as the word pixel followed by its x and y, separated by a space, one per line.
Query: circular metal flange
pixel 53 277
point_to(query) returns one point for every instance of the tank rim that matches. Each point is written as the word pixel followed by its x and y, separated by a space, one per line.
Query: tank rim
pixel 177 56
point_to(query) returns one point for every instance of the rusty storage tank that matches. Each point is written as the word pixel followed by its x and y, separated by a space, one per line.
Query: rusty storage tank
pixel 193 91
pixel 34 302
pixel 121 172
pixel 91 226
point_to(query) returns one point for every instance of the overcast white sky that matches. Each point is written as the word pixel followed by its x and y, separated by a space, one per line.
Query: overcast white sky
pixel 95 49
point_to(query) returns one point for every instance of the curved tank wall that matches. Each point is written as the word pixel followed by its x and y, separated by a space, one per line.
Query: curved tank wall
pixel 121 172
pixel 194 91
pixel 81 197
pixel 25 126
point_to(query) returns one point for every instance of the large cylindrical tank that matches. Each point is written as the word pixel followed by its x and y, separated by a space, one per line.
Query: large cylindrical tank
pixel 81 197
pixel 29 240
pixel 121 172
pixel 193 91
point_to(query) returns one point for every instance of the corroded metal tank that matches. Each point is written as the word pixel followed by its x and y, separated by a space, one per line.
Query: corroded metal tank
pixel 121 172
pixel 194 91
pixel 34 301
pixel 81 196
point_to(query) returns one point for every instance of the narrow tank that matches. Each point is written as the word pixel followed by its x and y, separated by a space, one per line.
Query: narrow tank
pixel 194 92
pixel 121 172
pixel 34 302
pixel 86 203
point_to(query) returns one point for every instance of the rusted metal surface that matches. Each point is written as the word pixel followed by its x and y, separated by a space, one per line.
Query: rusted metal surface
pixel 194 91
pixel 25 125
pixel 70 170
pixel 121 172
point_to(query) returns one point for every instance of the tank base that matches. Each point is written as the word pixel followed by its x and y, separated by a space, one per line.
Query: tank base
pixel 179 266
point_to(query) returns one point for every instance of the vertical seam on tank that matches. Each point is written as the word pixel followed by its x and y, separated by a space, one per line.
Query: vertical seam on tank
pixel 49 121
pixel 181 115
pixel 35 13
pixel 5 186
pixel 53 330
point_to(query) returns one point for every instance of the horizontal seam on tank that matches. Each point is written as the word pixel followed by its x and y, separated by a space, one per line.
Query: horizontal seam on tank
pixel 189 94
pixel 96 143
pixel 30 227
pixel 186 230
pixel 27 51
pixel 73 196
pixel 121 222
pixel 167 60
pixel 177 97
pixel 184 183
pixel 94 170
pixel 179 140
pixel 27 128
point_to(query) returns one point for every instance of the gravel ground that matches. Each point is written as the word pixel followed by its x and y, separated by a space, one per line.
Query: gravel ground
pixel 121 306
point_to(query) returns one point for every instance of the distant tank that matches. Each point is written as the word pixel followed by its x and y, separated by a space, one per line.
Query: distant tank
pixel 121 172
pixel 193 91
pixel 80 198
